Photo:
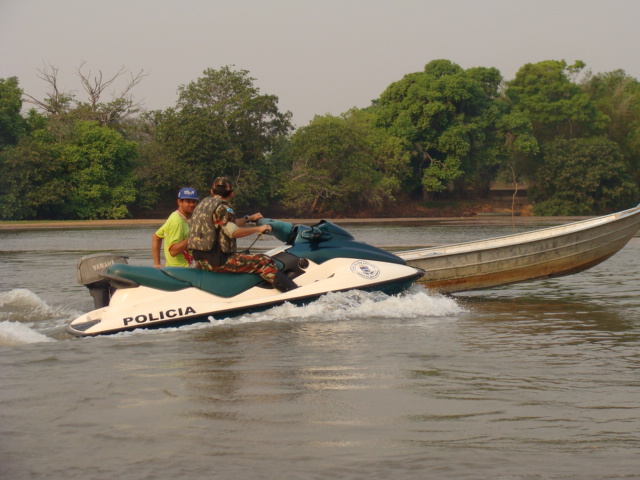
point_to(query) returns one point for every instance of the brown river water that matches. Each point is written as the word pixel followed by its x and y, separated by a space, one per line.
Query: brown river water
pixel 532 381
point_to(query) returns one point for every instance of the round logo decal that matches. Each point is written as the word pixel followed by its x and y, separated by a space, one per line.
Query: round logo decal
pixel 365 269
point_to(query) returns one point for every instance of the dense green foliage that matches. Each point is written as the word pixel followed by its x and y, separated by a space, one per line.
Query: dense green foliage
pixel 442 133
pixel 12 124
pixel 578 172
pixel 222 125
pixel 449 118
pixel 344 164
pixel 87 176
pixel 582 176
pixel 557 107
pixel 617 95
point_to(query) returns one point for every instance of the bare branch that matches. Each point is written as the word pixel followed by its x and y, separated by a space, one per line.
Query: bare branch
pixel 57 101
pixel 94 87
pixel 119 107
pixel 41 105
pixel 133 83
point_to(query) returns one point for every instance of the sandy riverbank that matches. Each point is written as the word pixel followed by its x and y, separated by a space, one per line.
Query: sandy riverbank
pixel 474 220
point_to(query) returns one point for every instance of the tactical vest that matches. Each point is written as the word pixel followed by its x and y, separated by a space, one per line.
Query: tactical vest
pixel 203 234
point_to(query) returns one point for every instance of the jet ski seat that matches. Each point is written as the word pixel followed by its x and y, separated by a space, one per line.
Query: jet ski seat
pixel 122 275
pixel 172 279
pixel 219 283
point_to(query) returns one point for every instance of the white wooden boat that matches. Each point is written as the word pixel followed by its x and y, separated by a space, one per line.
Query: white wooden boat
pixel 545 253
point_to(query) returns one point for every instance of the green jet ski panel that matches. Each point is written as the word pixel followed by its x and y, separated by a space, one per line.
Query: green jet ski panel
pixel 325 241
pixel 178 278
pixel 132 275
pixel 219 283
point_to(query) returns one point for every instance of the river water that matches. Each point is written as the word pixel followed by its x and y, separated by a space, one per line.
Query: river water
pixel 532 381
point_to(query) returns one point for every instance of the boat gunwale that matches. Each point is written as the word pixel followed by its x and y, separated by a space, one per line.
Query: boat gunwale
pixel 518 238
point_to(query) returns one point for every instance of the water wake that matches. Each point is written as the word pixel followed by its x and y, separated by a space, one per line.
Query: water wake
pixel 15 333
pixel 22 305
pixel 414 303
pixel 27 318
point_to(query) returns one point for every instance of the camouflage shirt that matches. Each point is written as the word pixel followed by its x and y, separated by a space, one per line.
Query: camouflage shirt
pixel 208 224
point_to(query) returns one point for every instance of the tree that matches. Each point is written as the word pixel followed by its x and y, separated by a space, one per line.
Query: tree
pixel 557 106
pixel 617 95
pixel 448 117
pixel 520 146
pixel 344 164
pixel 110 113
pixel 12 124
pixel 100 168
pixel 89 175
pixel 158 173
pixel 585 176
pixel 223 125
pixel 32 181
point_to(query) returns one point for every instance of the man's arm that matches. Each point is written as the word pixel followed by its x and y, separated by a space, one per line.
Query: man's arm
pixel 242 221
pixel 240 232
pixel 156 246
pixel 179 247
pixel 234 228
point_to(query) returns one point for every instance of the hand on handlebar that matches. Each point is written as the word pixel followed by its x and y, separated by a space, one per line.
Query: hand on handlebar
pixel 266 229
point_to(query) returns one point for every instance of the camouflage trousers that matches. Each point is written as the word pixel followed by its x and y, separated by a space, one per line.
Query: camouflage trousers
pixel 244 263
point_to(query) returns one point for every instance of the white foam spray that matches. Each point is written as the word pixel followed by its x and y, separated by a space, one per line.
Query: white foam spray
pixel 24 317
pixel 15 333
pixel 416 302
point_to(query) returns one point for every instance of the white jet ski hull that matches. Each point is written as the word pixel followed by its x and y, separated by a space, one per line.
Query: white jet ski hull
pixel 145 307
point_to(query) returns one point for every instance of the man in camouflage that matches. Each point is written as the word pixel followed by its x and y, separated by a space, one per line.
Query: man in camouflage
pixel 213 234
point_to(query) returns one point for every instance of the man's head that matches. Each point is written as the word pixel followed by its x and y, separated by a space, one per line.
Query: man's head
pixel 187 201
pixel 222 187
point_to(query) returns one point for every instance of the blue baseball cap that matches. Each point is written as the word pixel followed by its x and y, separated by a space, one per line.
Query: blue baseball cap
pixel 188 194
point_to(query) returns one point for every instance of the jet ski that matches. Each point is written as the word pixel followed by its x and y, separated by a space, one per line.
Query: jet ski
pixel 315 259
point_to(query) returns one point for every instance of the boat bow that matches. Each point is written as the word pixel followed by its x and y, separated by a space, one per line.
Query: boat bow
pixel 545 253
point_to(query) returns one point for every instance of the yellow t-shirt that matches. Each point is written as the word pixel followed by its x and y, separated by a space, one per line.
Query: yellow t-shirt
pixel 174 230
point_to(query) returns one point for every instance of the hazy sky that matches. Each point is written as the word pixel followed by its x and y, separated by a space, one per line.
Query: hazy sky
pixel 318 57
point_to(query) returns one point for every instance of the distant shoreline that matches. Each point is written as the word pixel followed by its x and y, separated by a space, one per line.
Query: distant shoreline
pixel 477 220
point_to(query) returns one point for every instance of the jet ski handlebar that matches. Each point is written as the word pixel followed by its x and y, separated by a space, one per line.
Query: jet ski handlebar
pixel 288 233
pixel 279 229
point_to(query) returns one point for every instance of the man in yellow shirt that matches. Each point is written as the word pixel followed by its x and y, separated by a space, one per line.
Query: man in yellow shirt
pixel 175 232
